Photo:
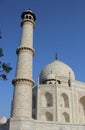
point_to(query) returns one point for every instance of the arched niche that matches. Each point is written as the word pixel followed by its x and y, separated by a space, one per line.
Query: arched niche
pixel 65 117
pixel 49 116
pixel 47 100
pixel 82 105
pixel 64 100
pixel 81 113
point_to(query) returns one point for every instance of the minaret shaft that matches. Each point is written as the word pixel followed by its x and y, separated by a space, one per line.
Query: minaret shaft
pixel 22 103
pixel 22 100
pixel 24 65
pixel 27 34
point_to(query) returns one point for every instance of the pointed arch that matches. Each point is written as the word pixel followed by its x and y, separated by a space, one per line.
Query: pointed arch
pixel 65 117
pixel 82 103
pixel 82 109
pixel 64 100
pixel 49 99
pixel 49 116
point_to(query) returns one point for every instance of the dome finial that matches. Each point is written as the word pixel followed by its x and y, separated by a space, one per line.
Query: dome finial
pixel 69 81
pixel 56 57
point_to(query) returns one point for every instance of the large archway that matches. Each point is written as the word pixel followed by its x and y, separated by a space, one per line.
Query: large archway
pixel 82 109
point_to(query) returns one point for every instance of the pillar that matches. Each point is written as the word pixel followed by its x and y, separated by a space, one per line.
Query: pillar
pixel 23 82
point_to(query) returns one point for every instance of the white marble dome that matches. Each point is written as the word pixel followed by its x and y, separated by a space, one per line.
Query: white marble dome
pixel 50 76
pixel 56 69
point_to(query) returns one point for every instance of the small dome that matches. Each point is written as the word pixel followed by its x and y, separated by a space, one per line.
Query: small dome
pixel 50 76
pixel 28 12
pixel 56 69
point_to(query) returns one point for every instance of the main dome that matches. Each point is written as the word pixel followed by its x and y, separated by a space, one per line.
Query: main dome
pixel 58 69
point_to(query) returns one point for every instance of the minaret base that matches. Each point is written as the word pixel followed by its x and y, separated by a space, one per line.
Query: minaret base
pixel 30 124
pixel 21 124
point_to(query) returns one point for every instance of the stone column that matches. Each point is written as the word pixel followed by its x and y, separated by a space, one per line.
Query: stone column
pixel 22 100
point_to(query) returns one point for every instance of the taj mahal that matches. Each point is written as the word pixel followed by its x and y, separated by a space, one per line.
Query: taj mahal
pixel 58 100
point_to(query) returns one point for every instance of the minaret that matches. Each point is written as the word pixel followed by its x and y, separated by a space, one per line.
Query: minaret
pixel 22 99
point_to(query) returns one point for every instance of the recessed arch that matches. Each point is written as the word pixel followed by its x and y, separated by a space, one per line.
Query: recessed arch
pixel 49 116
pixel 64 100
pixel 82 109
pixel 65 117
pixel 82 103
pixel 47 100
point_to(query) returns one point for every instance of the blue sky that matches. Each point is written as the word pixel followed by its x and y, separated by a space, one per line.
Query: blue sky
pixel 60 27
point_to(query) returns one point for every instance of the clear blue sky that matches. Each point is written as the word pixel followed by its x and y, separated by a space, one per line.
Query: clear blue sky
pixel 60 27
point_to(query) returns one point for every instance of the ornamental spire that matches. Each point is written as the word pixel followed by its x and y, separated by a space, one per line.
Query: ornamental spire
pixel 56 57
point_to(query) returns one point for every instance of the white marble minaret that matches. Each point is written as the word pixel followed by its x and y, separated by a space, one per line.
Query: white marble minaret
pixel 60 105
pixel 22 100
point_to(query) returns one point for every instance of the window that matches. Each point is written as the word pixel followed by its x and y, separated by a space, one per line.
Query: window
pixel 30 17
pixel 26 16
